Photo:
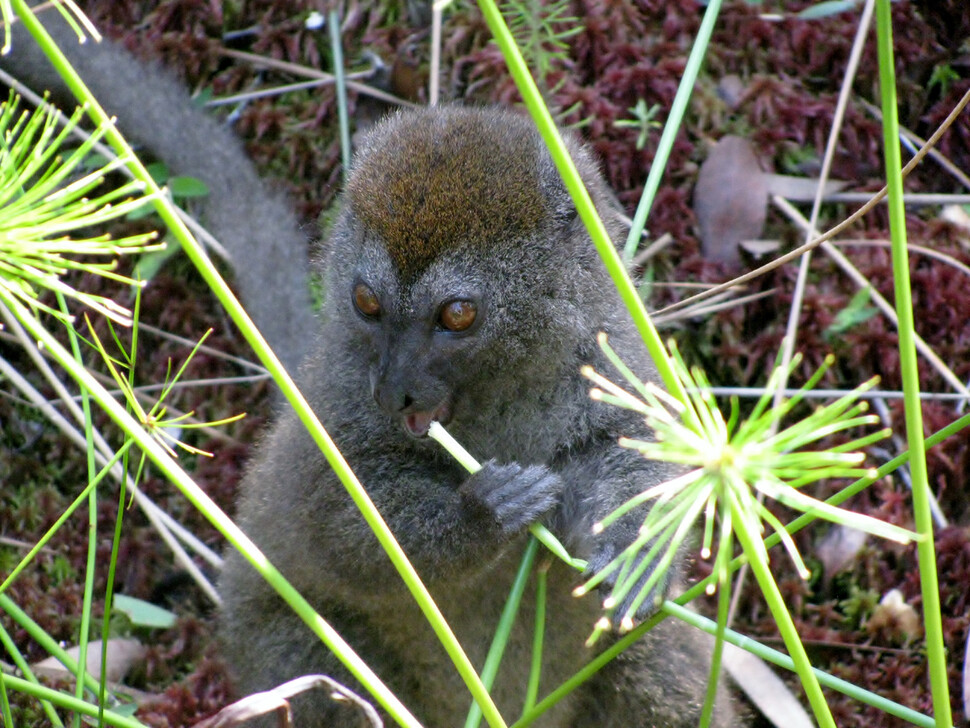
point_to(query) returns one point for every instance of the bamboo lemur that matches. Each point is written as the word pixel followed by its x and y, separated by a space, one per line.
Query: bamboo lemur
pixel 460 285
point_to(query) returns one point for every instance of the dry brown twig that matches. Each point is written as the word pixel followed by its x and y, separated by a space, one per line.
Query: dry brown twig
pixel 832 232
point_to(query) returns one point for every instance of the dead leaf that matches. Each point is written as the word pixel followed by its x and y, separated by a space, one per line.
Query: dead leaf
pixel 730 199
pixel 122 655
pixel 958 216
pixel 765 689
pixel 838 549
pixel 801 189
pixel 758 249
pixel 277 700
pixel 730 90
pixel 895 619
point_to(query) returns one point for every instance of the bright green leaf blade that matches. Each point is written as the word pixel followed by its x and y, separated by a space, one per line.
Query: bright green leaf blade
pixel 142 613
pixel 187 187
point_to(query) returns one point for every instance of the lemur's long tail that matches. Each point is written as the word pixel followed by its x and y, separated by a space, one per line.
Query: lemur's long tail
pixel 254 222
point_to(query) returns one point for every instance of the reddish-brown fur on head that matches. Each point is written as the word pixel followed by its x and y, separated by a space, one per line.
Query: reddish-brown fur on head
pixel 433 180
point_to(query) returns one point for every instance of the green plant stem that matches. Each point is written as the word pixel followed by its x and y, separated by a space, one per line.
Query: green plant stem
pixel 302 409
pixel 784 661
pixel 935 651
pixel 675 606
pixel 669 134
pixel 677 609
pixel 85 628
pixel 109 587
pixel 62 518
pixel 43 639
pixel 501 638
pixel 538 637
pixel 628 293
pixel 540 534
pixel 5 702
pixel 333 25
pixel 580 195
pixel 590 669
pixel 836 499
pixel 17 657
pixel 215 516
pixel 776 603
pixel 69 702
pixel 546 537
pixel 119 516
pixel 725 548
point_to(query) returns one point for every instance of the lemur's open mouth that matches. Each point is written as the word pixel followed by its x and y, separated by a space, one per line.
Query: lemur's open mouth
pixel 417 423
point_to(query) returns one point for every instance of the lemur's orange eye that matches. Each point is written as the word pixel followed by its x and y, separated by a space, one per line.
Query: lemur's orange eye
pixel 366 300
pixel 458 315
